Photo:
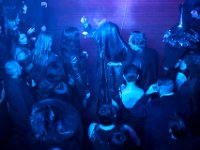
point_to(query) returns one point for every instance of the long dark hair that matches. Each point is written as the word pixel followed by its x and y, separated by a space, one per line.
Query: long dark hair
pixel 70 44
pixel 110 41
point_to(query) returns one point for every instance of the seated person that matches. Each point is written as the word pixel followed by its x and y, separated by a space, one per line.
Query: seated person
pixel 131 93
pixel 99 133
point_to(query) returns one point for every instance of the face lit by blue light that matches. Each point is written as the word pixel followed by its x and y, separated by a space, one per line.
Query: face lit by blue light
pixel 183 65
pixel 13 24
pixel 194 14
pixel 23 39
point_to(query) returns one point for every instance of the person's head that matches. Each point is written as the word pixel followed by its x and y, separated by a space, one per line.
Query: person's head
pixel 165 86
pixel 70 40
pixel 13 69
pixel 131 73
pixel 42 48
pixel 192 58
pixel 1 25
pixel 54 71
pixel 12 19
pixel 177 126
pixel 22 39
pixel 195 12
pixel 23 56
pixel 137 40
pixel 191 63
pixel 71 34
pixel 110 40
pixel 194 124
pixel 44 42
pixel 106 114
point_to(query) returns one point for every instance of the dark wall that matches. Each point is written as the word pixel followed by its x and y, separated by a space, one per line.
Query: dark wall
pixel 153 17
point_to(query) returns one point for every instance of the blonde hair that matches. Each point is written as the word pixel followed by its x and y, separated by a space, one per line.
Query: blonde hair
pixel 42 49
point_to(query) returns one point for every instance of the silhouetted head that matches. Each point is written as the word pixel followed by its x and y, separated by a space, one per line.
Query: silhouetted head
pixel 24 58
pixel 177 127
pixel 110 40
pixel 22 39
pixel 71 34
pixel 137 40
pixel 70 43
pixel 195 12
pixel 191 64
pixel 131 73
pixel 13 68
pixel 11 15
pixel 54 71
pixel 106 114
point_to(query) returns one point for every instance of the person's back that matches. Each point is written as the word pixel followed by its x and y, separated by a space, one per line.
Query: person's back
pixel 131 93
pixel 99 133
pixel 100 141
pixel 146 59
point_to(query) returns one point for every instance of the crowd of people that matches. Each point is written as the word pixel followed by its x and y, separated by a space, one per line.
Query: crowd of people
pixel 44 93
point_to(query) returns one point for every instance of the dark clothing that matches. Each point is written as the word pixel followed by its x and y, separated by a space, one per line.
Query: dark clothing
pixel 147 61
pixel 190 89
pixel 100 138
pixel 158 112
pixel 20 100
pixel 35 14
pixel 38 71
pixel 172 55
pixel 75 63
pixel 111 48
pixel 63 129
pixel 187 18
pixel 182 144
pixel 5 123
pixel 189 22
pixel 74 66
pixel 4 55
